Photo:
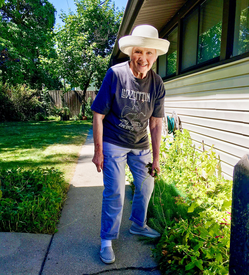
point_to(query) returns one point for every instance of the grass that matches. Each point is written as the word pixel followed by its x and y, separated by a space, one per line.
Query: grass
pixel 37 161
pixel 42 144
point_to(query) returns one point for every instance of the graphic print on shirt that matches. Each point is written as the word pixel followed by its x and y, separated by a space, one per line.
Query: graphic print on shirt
pixel 132 116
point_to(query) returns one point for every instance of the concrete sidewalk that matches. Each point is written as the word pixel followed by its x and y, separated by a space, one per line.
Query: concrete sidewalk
pixel 74 249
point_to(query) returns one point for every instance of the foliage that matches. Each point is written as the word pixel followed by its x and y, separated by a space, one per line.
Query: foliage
pixel 26 29
pixel 190 207
pixel 63 112
pixel 19 103
pixel 88 110
pixel 84 44
pixel 31 155
pixel 31 200
pixel 25 101
pixel 46 102
pixel 197 238
pixel 40 117
pixel 6 105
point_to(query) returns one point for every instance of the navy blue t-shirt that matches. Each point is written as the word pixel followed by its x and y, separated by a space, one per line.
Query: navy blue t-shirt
pixel 127 103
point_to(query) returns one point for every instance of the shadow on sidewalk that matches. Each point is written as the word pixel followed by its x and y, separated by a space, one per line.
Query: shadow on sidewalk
pixel 75 247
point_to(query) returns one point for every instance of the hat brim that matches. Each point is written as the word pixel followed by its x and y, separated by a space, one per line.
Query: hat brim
pixel 126 43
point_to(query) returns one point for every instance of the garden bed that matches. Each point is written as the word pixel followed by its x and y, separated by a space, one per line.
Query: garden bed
pixel 190 207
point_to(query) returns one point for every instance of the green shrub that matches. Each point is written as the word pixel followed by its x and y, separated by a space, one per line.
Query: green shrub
pixel 88 110
pixel 40 117
pixel 25 101
pixel 31 200
pixel 6 106
pixel 63 112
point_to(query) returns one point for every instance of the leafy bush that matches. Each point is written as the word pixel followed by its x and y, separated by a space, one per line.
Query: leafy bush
pixel 31 200
pixel 40 117
pixel 20 103
pixel 88 110
pixel 6 106
pixel 191 206
pixel 62 112
pixel 25 101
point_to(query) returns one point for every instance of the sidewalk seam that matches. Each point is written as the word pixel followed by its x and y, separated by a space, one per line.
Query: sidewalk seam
pixel 46 255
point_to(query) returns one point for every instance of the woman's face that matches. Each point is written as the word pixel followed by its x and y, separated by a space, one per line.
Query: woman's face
pixel 142 60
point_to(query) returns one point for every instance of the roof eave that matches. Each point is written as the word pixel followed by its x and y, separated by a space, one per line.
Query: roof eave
pixel 131 11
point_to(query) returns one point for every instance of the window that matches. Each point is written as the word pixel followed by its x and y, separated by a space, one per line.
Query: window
pixel 162 65
pixel 210 30
pixel 202 30
pixel 167 62
pixel 241 29
pixel 201 34
pixel 189 40
pixel 172 53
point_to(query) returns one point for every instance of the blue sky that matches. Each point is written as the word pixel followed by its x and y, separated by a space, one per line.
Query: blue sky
pixel 65 5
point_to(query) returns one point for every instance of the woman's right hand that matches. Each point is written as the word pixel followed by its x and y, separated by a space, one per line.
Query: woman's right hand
pixel 98 160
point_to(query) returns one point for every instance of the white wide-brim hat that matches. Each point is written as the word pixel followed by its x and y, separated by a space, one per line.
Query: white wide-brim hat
pixel 144 36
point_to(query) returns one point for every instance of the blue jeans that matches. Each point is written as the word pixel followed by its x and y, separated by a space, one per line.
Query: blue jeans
pixel 115 159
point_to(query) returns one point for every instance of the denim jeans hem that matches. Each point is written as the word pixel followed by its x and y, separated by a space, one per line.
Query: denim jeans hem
pixel 107 236
pixel 142 224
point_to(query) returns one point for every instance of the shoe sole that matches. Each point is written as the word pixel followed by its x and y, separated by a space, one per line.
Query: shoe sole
pixel 107 261
pixel 143 234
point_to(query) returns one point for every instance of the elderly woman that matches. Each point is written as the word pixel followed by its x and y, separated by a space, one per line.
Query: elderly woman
pixel 131 96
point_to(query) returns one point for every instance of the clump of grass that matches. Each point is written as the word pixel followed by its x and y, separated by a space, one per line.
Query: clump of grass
pixel 31 200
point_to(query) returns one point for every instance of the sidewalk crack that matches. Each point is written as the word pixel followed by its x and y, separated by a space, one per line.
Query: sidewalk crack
pixel 146 269
pixel 46 255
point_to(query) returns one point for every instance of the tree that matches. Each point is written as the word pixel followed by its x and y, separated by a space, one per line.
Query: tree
pixel 26 28
pixel 85 42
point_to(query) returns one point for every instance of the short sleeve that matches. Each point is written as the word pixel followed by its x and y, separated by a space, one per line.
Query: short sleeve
pixel 103 101
pixel 159 101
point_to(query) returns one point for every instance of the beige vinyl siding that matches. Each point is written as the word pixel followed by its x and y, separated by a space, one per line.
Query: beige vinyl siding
pixel 214 106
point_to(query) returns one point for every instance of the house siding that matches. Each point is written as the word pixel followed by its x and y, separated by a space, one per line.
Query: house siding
pixel 214 106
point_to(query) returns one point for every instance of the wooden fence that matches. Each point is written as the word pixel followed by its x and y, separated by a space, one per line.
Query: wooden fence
pixel 72 100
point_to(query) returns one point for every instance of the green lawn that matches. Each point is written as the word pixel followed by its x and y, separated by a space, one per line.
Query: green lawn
pixel 37 162
pixel 42 144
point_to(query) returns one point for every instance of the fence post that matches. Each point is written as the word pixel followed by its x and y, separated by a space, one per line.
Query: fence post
pixel 239 243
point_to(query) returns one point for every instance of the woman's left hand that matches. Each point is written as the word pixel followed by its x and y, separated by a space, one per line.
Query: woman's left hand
pixel 155 168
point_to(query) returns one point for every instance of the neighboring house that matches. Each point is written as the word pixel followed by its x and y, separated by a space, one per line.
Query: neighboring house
pixel 206 71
